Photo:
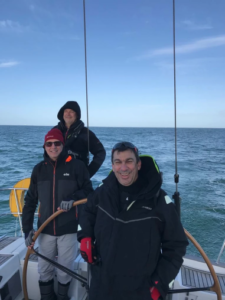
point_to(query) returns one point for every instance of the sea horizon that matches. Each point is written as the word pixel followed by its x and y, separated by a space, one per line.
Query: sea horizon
pixel 93 126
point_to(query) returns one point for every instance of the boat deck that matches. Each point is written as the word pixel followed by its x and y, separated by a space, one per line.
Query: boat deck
pixel 4 258
pixel 5 241
pixel 195 278
pixel 190 277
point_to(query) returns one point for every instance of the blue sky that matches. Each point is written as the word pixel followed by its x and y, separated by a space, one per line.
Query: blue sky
pixel 130 62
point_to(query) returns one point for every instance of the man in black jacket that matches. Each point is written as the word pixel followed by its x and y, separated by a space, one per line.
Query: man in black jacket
pixel 78 139
pixel 56 183
pixel 137 238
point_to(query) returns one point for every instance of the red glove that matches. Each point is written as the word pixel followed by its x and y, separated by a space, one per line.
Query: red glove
pixel 86 249
pixel 154 293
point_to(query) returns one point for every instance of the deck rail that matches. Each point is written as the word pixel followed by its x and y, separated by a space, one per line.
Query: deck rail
pixel 18 212
pixel 221 252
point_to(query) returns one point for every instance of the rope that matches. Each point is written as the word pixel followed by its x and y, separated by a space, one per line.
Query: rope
pixel 86 82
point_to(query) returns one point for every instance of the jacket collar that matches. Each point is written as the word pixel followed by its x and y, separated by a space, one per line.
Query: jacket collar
pixel 78 124
pixel 62 156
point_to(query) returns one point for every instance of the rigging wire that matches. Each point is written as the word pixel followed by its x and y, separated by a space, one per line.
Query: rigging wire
pixel 175 97
pixel 176 195
pixel 86 81
pixel 86 85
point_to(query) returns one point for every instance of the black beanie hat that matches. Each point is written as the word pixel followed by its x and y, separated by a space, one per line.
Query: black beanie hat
pixel 71 105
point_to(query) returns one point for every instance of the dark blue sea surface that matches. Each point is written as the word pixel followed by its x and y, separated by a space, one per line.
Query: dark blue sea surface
pixel 201 166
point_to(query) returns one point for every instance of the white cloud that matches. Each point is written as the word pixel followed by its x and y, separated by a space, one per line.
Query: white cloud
pixel 190 25
pixel 8 25
pixel 186 48
pixel 189 63
pixel 8 64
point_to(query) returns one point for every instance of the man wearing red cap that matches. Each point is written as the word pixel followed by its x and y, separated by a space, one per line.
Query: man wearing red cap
pixel 79 140
pixel 56 183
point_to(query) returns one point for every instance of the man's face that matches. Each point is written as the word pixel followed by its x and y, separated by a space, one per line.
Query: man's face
pixel 69 116
pixel 53 151
pixel 125 167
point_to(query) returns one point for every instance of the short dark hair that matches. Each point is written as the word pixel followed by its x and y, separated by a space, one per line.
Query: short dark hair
pixel 123 146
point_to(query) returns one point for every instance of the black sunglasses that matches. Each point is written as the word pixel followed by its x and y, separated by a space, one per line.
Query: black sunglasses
pixel 123 145
pixel 57 144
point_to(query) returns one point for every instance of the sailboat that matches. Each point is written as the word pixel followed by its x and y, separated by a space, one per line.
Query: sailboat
pixel 197 279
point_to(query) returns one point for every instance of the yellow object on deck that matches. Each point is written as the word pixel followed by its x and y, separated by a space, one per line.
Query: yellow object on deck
pixel 17 196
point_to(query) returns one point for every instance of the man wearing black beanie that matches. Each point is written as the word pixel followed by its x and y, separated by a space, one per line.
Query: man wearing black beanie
pixel 78 138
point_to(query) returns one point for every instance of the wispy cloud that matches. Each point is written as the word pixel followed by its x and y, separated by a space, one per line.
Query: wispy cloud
pixel 39 10
pixel 8 64
pixel 189 64
pixel 186 48
pixel 190 25
pixel 8 25
pixel 40 14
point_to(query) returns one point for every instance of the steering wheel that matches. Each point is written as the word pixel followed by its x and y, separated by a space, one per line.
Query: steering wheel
pixel 215 288
pixel 31 251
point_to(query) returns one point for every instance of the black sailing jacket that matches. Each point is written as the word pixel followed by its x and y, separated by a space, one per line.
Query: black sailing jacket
pixel 51 183
pixel 141 246
pixel 76 143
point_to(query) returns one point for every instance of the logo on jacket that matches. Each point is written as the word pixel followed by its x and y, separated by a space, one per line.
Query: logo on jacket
pixel 66 174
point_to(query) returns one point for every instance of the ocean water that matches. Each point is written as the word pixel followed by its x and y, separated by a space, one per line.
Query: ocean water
pixel 201 166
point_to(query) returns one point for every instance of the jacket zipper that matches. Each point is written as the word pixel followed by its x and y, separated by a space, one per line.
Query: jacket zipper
pixel 54 196
pixel 66 133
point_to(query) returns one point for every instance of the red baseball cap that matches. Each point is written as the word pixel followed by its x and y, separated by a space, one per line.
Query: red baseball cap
pixel 54 134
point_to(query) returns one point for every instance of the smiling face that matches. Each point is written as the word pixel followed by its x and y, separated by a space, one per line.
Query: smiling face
pixel 125 167
pixel 69 117
pixel 53 151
